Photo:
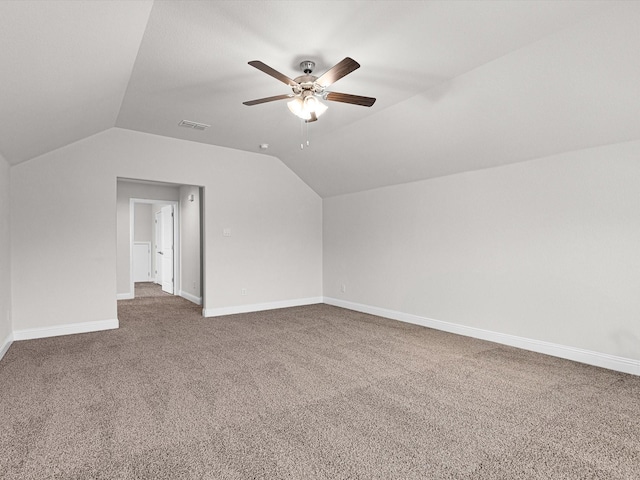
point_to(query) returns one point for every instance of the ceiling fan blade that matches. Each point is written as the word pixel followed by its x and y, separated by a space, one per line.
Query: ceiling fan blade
pixel 348 98
pixel 338 71
pixel 267 99
pixel 274 73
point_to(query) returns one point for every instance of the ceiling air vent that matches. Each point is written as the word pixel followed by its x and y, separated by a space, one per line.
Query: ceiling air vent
pixel 194 125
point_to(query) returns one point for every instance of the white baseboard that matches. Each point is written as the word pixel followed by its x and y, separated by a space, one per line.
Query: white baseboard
pixel 612 362
pixel 4 346
pixel 191 298
pixel 125 296
pixel 258 307
pixel 68 329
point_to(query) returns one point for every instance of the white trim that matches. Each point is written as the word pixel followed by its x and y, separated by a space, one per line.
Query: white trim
pixel 191 298
pixel 259 307
pixel 604 360
pixel 5 345
pixel 68 329
pixel 125 296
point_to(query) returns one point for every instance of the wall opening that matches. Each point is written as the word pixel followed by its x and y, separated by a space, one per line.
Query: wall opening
pixel 160 225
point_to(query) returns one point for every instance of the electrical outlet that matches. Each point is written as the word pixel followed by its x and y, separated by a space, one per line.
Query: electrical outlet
pixel 243 291
pixel 343 288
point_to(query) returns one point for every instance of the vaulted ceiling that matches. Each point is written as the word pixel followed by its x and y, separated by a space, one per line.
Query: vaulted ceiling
pixel 460 85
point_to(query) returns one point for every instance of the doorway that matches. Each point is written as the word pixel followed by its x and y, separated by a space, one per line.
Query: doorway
pixel 157 220
pixel 160 239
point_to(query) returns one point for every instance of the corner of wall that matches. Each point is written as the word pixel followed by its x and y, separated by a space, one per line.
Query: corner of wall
pixel 6 321
pixel 4 346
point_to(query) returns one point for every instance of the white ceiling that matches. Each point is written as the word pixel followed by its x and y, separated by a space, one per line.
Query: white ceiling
pixel 460 85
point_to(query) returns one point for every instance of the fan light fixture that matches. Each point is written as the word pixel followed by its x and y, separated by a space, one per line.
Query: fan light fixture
pixel 303 108
pixel 307 90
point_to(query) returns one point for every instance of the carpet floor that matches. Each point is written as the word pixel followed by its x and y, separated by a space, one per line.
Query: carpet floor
pixel 314 392
pixel 148 289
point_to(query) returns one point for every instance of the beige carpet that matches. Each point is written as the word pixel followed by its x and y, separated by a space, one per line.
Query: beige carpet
pixel 305 393
pixel 148 289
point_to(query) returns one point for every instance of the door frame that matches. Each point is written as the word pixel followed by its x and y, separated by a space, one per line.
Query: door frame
pixel 176 239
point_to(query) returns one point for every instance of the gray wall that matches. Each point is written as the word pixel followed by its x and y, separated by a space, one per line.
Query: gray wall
pixel 190 241
pixel 5 255
pixel 142 223
pixel 69 275
pixel 547 249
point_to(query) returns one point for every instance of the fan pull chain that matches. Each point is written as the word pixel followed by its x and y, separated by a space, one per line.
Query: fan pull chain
pixel 303 123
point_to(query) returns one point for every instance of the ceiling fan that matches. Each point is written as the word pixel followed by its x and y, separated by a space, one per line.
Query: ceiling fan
pixel 308 90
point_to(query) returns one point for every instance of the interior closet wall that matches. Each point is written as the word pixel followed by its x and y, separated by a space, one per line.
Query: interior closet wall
pixel 190 248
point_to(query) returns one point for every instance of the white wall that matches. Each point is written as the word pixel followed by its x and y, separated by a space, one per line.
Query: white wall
pixel 5 258
pixel 63 226
pixel 190 243
pixel 126 190
pixel 547 249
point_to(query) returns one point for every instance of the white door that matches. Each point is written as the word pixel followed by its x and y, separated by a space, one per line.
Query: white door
pixel 166 213
pixel 142 262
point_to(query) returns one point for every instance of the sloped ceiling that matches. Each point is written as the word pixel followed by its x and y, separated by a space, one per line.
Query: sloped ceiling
pixel 64 69
pixel 460 85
